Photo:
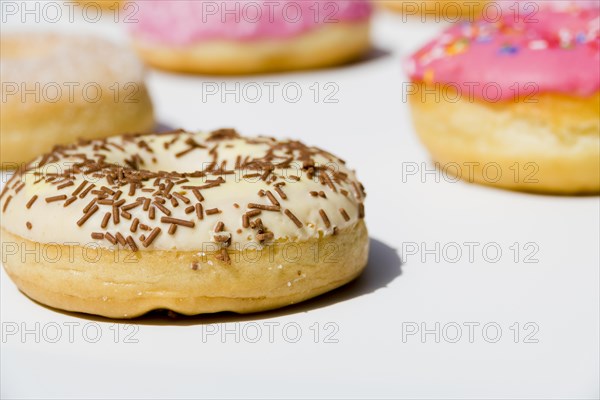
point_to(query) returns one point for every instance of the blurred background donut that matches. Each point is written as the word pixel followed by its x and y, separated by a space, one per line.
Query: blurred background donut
pixel 250 37
pixel 431 9
pixel 57 88
pixel 521 91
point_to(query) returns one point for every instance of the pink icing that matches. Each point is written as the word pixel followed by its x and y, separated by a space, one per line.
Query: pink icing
pixel 551 51
pixel 532 6
pixel 183 22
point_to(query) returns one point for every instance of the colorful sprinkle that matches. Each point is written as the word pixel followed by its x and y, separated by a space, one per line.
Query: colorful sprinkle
pixel 509 49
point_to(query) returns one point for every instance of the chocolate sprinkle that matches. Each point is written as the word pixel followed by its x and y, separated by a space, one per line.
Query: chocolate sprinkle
pixel 264 207
pixel 134 225
pixel 155 232
pixel 121 239
pixel 110 238
pixel 87 215
pixel 280 192
pixel 198 194
pixel 64 185
pixel 69 201
pixel 89 206
pixel 253 213
pixel 344 214
pixel 105 220
pixel 131 244
pixel 115 215
pixel 31 201
pixel 177 221
pixel 325 218
pixel 86 191
pixel 272 198
pixel 293 218
pixel 54 198
pixel 162 208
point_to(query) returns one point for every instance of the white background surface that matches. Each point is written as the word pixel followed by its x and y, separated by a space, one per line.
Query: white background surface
pixel 370 128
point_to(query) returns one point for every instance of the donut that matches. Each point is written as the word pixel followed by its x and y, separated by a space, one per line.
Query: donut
pixel 185 221
pixel 57 88
pixel 246 37
pixel 513 103
pixel 113 5
pixel 437 9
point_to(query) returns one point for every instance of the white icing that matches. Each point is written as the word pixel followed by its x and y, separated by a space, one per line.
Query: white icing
pixel 51 222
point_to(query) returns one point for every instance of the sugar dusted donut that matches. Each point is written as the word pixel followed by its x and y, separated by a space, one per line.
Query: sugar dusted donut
pixel 243 224
pixel 514 103
pixel 244 37
pixel 57 88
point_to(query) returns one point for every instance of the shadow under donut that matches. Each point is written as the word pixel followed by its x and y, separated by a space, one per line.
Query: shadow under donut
pixel 384 265
pixel 372 55
pixel 161 127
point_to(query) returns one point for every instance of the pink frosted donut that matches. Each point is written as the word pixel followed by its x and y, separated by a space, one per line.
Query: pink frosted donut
pixel 521 90
pixel 515 52
pixel 235 37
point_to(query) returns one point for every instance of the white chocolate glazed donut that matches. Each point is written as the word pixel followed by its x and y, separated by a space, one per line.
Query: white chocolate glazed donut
pixel 245 224
pixel 57 88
